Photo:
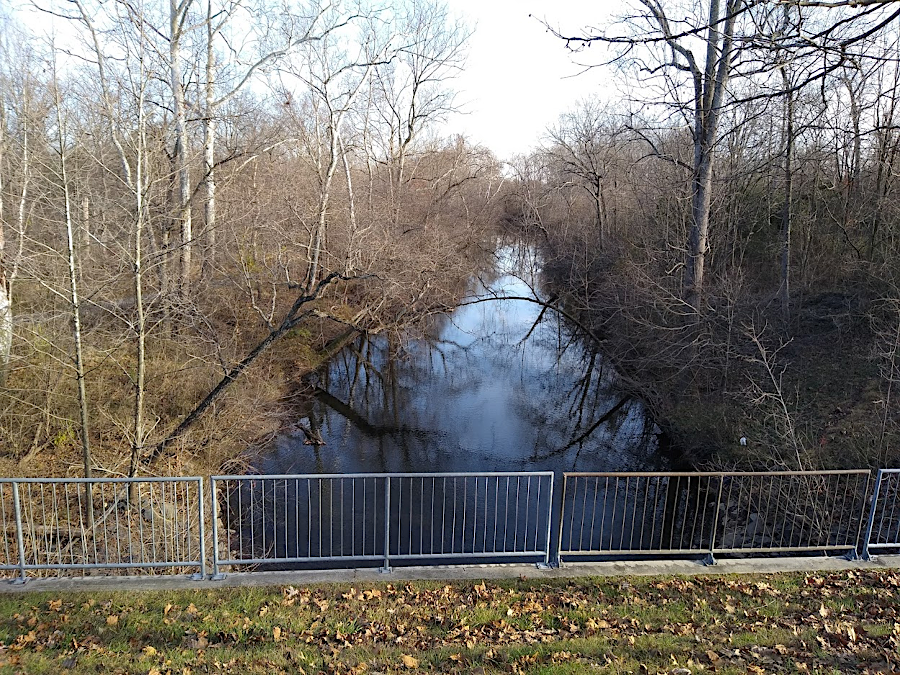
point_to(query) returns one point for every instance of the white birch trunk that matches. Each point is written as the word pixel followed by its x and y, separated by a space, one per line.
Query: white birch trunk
pixel 351 200
pixel 73 298
pixel 177 12
pixel 140 324
pixel 6 316
pixel 209 141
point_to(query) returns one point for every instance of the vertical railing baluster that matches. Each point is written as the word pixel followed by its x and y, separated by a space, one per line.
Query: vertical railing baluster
pixel 20 537
pixel 422 515
pixel 431 528
pixel 3 509
pixel 866 555
pixel 214 516
pixel 549 512
pixel 892 489
pixel 444 516
pixel 201 527
pixel 387 524
pixel 362 529
pixel 861 501
pixel 715 528
pixel 465 509
pixel 527 514
pixel 896 538
pixel 637 490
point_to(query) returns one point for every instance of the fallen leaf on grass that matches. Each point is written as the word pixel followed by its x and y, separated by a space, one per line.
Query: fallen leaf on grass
pixel 409 661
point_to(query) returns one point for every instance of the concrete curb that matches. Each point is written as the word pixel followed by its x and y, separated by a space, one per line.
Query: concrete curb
pixel 450 573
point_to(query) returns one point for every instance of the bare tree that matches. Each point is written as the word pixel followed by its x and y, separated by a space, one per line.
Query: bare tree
pixel 334 73
pixel 412 90
pixel 226 76
pixel 18 98
pixel 581 144
pixel 74 299
pixel 708 67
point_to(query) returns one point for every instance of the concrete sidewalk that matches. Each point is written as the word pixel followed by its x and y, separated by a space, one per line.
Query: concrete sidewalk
pixel 450 573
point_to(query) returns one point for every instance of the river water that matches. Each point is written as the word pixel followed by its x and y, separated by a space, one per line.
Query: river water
pixel 499 385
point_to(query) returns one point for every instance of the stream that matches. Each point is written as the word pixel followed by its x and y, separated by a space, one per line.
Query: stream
pixel 498 385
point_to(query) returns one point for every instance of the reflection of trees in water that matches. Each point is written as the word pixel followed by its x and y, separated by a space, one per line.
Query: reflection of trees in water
pixel 509 383
pixel 374 386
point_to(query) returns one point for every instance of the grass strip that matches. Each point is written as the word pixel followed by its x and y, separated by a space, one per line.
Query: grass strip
pixel 793 623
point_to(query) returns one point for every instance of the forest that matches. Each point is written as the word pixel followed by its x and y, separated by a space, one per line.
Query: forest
pixel 200 202
pixel 727 226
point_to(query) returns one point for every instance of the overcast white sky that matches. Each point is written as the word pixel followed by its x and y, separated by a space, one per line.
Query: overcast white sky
pixel 517 81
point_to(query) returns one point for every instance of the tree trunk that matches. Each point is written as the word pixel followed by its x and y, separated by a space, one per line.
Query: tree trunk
pixel 601 216
pixel 140 324
pixel 291 319
pixel 209 144
pixel 784 292
pixel 709 92
pixel 75 303
pixel 177 14
pixel 698 237
pixel 351 200
pixel 6 317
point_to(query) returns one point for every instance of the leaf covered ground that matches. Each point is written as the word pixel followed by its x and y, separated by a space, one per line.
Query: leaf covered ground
pixel 787 623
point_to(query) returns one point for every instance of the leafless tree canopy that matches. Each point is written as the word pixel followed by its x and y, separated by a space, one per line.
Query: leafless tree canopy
pixel 201 199
pixel 197 196
pixel 729 223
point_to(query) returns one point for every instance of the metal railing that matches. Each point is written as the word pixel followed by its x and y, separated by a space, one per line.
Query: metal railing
pixel 284 520
pixel 883 526
pixel 616 514
pixel 79 524
pixel 153 524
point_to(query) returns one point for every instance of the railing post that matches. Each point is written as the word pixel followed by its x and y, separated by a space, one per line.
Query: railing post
pixel 562 509
pixel 546 564
pixel 20 537
pixel 216 574
pixel 711 558
pixel 871 522
pixel 201 573
pixel 387 525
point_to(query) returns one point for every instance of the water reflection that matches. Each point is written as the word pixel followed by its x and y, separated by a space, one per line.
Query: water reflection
pixel 499 385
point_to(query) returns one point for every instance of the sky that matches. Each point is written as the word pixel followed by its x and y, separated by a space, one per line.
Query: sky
pixel 519 78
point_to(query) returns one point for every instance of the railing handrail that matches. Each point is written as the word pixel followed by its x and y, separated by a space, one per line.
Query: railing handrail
pixel 712 474
pixel 395 474
pixel 148 479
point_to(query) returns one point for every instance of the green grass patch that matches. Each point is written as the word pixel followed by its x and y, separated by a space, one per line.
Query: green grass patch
pixel 793 623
